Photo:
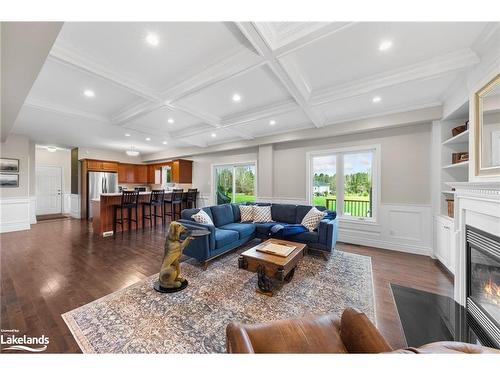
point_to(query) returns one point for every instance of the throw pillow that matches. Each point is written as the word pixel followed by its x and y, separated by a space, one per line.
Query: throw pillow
pixel 246 213
pixel 312 219
pixel 262 214
pixel 202 218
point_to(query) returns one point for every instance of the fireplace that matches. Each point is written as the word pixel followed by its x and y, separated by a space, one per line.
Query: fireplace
pixel 483 281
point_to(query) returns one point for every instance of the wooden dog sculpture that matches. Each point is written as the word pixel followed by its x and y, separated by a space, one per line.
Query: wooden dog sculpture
pixel 169 277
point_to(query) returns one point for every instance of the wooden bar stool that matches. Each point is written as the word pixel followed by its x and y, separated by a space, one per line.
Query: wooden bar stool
pixel 128 202
pixel 174 201
pixel 155 200
pixel 191 198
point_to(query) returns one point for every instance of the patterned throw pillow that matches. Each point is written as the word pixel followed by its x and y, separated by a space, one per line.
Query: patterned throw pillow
pixel 202 218
pixel 262 214
pixel 312 219
pixel 246 213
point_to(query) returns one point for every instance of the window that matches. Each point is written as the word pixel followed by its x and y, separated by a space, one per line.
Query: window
pixel 235 183
pixel 345 181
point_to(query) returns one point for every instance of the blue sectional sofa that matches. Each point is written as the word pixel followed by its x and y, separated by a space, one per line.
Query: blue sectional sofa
pixel 228 232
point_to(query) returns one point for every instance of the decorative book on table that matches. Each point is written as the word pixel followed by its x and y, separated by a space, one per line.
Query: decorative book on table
pixel 282 250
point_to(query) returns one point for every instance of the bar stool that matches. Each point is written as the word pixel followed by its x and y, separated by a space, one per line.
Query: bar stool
pixel 155 200
pixel 128 202
pixel 191 198
pixel 174 201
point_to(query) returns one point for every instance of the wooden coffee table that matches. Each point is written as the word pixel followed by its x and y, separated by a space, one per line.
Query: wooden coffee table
pixel 272 270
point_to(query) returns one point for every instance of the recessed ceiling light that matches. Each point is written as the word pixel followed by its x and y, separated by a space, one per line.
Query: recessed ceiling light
pixel 236 98
pixel 89 93
pixel 148 139
pixel 165 142
pixel 127 135
pixel 152 39
pixel 376 99
pixel 51 149
pixel 213 135
pixel 385 45
pixel 170 120
pixel 272 122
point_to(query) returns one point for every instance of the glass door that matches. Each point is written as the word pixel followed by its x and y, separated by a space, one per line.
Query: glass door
pixel 235 183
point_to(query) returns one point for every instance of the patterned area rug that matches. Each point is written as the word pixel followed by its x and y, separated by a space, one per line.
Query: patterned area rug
pixel 139 320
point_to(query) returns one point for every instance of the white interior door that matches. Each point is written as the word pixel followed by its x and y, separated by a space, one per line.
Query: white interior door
pixel 48 190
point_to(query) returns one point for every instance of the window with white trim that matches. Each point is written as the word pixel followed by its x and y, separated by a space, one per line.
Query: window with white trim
pixel 345 180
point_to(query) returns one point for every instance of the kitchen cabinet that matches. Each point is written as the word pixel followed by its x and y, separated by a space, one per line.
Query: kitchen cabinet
pixel 445 240
pixel 109 166
pixel 141 174
pixel 126 173
pixel 182 171
pixel 101 166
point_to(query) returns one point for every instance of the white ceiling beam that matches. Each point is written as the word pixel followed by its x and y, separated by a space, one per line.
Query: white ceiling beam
pixel 65 55
pixel 260 113
pixel 56 108
pixel 135 111
pixel 260 45
pixel 433 68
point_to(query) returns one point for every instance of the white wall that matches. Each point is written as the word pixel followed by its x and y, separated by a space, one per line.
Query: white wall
pixel 15 203
pixel 404 221
pixel 405 163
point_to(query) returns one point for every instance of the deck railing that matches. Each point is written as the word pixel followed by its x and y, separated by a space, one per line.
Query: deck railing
pixel 352 207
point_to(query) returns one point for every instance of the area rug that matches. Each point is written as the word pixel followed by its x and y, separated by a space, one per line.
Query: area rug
pixel 139 320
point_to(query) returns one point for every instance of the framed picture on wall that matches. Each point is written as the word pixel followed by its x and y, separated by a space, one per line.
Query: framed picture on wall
pixel 9 180
pixel 9 165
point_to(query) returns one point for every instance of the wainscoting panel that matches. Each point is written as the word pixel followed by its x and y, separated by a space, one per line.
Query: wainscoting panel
pixel 15 214
pixel 33 209
pixel 74 205
pixel 66 203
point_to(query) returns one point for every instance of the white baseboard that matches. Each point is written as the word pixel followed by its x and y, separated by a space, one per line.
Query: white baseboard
pixel 15 214
pixel 74 206
pixel 33 209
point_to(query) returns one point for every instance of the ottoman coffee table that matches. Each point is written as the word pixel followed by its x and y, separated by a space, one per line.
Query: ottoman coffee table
pixel 273 270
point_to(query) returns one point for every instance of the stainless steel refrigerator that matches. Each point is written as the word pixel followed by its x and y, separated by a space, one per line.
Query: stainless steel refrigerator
pixel 98 183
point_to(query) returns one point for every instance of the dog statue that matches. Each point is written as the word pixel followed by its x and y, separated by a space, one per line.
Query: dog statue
pixel 170 268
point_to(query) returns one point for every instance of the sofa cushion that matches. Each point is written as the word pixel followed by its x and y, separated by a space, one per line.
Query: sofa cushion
pixel 202 218
pixel 188 212
pixel 312 218
pixel 224 237
pixel 246 213
pixel 262 214
pixel 236 212
pixel 244 229
pixel 285 213
pixel 306 237
pixel 263 229
pixel 302 210
pixel 223 214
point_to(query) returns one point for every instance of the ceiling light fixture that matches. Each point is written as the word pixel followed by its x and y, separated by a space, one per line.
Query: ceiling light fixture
pixel 170 120
pixel 132 152
pixel 51 149
pixel 148 139
pixel 89 93
pixel 272 122
pixel 213 135
pixel 385 45
pixel 236 98
pixel 127 135
pixel 165 142
pixel 152 39
pixel 376 99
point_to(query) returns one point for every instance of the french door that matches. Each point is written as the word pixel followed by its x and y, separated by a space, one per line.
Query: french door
pixel 48 190
pixel 235 183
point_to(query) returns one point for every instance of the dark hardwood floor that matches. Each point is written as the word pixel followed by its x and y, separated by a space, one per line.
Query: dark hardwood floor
pixel 59 265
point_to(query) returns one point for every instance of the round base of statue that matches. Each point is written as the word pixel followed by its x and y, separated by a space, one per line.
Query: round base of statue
pixel 161 289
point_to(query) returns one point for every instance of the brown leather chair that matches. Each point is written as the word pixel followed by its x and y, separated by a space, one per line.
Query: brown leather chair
pixel 353 333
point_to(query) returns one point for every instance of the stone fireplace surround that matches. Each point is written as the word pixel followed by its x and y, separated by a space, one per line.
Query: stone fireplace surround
pixel 477 204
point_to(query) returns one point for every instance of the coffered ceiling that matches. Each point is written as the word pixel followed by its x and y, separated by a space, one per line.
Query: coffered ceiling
pixel 160 85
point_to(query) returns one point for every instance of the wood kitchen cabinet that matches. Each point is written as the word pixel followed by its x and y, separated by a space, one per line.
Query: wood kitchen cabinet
pixel 147 174
pixel 182 171
pixel 141 174
pixel 100 166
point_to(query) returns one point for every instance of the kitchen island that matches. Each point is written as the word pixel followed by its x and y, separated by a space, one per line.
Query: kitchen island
pixel 103 210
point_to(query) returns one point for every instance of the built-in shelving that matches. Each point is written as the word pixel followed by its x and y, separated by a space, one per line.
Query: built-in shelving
pixel 456 165
pixel 460 138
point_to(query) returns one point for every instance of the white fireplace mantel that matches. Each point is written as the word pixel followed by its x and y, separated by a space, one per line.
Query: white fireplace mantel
pixel 476 204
